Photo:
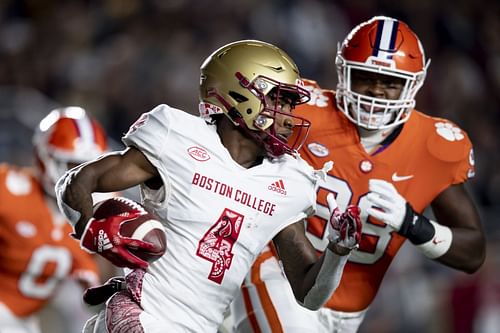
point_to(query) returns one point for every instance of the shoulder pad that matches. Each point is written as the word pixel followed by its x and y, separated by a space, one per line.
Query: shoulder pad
pixel 447 142
pixel 311 83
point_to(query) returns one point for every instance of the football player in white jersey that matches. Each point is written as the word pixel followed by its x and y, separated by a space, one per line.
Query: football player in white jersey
pixel 224 185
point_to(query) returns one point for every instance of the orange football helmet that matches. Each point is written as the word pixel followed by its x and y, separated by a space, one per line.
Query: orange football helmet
pixel 386 46
pixel 66 136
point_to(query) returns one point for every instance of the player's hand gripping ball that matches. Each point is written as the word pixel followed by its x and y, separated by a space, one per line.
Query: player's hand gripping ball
pixel 125 232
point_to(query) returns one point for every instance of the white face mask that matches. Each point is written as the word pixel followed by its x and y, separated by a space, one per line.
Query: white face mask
pixel 372 119
pixel 371 112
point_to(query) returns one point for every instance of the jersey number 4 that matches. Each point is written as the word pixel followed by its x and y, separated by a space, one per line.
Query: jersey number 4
pixel 218 242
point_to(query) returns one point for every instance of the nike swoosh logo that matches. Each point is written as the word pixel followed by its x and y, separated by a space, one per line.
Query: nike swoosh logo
pixel 396 178
pixel 436 242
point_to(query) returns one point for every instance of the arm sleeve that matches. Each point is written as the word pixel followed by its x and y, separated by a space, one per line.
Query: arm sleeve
pixel 327 280
pixel 150 133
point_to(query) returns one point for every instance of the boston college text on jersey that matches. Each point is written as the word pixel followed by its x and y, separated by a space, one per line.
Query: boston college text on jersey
pixel 237 195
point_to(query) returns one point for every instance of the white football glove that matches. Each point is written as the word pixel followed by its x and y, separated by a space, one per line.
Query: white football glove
pixel 400 215
pixel 387 205
pixel 344 229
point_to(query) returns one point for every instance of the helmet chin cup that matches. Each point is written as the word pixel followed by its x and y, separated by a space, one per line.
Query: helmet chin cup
pixel 375 113
pixel 275 147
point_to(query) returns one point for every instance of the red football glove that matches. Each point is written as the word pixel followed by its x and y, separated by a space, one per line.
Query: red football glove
pixel 103 236
pixel 344 229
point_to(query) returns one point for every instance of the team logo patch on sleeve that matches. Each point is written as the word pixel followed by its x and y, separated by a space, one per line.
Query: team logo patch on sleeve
pixel 18 183
pixel 449 131
pixel 138 123
pixel 318 149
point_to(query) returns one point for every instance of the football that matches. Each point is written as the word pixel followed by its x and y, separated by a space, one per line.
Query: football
pixel 146 227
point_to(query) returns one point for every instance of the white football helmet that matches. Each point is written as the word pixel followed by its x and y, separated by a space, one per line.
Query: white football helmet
pixel 66 136
pixel 385 46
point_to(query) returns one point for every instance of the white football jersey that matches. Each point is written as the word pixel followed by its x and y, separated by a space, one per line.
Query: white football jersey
pixel 217 214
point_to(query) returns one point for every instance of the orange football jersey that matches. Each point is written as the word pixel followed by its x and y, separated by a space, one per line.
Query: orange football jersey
pixel 37 252
pixel 429 155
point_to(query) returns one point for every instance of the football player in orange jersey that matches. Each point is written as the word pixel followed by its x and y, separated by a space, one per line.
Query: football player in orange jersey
pixel 37 252
pixel 392 161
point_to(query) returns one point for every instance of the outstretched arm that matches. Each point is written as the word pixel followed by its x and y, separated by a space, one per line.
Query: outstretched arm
pixel 455 209
pixel 313 280
pixel 456 239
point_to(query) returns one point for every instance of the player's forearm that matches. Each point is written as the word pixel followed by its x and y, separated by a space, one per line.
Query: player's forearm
pixel 313 279
pixel 74 197
pixel 461 248
pixel 323 279
pixel 467 251
pixel 74 190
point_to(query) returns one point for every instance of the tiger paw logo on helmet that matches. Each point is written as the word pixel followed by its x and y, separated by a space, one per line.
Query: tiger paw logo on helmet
pixel 449 131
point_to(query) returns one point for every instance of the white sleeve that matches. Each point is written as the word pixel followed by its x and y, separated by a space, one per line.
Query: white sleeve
pixel 327 281
pixel 150 134
pixel 72 215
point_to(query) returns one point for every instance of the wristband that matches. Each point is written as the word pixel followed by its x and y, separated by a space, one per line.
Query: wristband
pixel 439 244
pixel 416 227
pixel 431 238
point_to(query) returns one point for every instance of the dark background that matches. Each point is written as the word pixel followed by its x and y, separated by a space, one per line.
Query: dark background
pixel 119 58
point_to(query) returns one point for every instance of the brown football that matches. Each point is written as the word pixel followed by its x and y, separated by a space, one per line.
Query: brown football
pixel 146 227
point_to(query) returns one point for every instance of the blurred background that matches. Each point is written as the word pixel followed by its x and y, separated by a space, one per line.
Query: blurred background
pixel 120 58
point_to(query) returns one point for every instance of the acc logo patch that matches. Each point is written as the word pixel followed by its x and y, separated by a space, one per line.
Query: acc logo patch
pixel 365 166
pixel 198 154
pixel 318 149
